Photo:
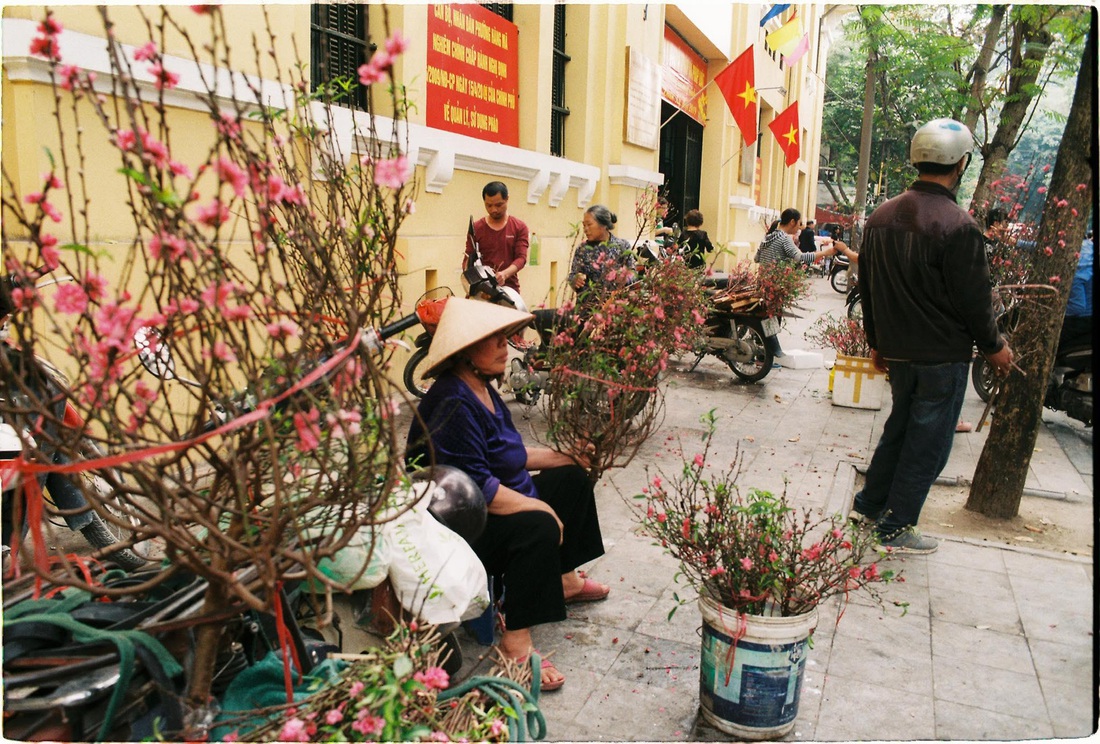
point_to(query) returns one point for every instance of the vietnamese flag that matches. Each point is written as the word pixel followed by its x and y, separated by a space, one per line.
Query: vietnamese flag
pixel 738 85
pixel 785 129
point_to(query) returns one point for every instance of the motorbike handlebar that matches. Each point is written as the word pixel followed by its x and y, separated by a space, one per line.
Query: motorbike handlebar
pixel 399 325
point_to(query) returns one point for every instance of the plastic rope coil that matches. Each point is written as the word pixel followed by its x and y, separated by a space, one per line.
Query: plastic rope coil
pixel 512 696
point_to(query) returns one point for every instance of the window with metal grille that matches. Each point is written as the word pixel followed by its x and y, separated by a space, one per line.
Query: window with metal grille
pixel 338 46
pixel 504 10
pixel 558 109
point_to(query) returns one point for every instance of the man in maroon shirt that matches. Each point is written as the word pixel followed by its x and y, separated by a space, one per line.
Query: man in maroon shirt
pixel 503 240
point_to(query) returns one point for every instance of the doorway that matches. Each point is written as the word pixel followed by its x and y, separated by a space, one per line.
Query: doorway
pixel 681 161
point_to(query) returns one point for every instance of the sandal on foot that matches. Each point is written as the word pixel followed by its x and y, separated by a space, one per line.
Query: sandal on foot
pixel 591 592
pixel 545 686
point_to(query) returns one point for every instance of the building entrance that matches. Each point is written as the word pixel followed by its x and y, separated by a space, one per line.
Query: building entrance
pixel 680 161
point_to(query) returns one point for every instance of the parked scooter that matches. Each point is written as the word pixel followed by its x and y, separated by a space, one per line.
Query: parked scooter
pixel 1069 388
pixel 855 307
pixel 739 339
pixel 64 500
pixel 838 273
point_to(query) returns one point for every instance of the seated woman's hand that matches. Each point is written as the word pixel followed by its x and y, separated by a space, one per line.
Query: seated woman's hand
pixel 579 281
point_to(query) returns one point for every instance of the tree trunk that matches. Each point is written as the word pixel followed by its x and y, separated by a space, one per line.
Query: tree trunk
pixel 859 208
pixel 980 69
pixel 1029 48
pixel 1005 459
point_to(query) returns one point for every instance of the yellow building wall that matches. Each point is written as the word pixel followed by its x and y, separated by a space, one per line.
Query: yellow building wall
pixel 432 238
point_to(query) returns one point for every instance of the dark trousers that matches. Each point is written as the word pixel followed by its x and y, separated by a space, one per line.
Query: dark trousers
pixel 523 548
pixel 916 442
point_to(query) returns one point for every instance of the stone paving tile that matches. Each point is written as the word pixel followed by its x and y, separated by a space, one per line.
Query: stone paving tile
pixel 623 711
pixel 983 646
pixel 685 624
pixel 1070 571
pixel 623 610
pixel 968 579
pixel 1062 663
pixel 854 709
pixel 980 558
pixel 959 680
pixel 1070 705
pixel 618 568
pixel 809 703
pixel 579 644
pixel 992 610
pixel 963 722
pixel 874 626
pixel 646 660
pixel 884 661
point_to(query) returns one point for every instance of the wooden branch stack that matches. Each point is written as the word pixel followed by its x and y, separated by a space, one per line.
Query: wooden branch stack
pixel 742 297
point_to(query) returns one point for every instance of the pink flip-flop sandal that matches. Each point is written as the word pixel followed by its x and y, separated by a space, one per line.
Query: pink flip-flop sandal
pixel 591 592
pixel 551 686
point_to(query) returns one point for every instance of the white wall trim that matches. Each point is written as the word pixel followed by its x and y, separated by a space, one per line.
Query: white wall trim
pixel 633 176
pixel 347 133
pixel 741 202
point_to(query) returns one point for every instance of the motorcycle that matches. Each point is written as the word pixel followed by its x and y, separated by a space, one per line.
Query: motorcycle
pixel 1069 388
pixel 852 303
pixel 838 273
pixel 740 339
pixel 64 500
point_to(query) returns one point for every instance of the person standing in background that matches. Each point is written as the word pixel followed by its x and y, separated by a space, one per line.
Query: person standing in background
pixel 694 241
pixel 806 242
pixel 502 239
pixel 927 301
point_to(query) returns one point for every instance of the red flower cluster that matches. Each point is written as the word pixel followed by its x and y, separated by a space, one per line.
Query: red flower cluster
pixel 754 553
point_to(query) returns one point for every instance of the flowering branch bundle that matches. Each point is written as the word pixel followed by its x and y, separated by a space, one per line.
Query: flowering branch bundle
pixel 259 251
pixel 603 394
pixel 753 553
pixel 393 693
pixel 768 289
pixel 844 335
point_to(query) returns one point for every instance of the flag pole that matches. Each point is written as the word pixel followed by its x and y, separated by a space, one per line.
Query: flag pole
pixel 687 103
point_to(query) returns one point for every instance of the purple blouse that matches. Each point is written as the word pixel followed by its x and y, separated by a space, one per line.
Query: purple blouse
pixel 464 433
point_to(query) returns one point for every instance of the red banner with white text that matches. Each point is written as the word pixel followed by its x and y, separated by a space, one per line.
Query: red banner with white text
pixel 473 73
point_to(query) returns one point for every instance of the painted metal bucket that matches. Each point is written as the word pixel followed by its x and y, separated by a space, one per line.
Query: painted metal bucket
pixel 751 670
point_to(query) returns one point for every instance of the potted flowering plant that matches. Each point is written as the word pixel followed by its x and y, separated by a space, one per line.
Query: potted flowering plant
pixel 762 568
pixel 854 382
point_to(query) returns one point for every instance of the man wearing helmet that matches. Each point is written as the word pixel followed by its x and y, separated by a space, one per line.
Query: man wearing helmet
pixel 927 302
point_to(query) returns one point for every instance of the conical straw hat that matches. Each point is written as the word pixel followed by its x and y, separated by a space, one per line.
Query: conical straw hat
pixel 464 323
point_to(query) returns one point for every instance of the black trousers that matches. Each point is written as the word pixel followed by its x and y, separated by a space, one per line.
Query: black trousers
pixel 523 548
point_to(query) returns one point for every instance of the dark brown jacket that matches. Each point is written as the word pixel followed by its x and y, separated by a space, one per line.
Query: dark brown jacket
pixel 924 280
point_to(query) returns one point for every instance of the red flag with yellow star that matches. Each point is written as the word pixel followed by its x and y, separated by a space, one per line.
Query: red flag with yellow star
pixel 738 85
pixel 785 129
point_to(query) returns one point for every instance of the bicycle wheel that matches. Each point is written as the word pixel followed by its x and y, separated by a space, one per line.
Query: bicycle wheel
pixel 750 358
pixel 415 382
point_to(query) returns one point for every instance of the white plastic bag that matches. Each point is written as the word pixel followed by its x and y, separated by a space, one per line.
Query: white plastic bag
pixel 435 573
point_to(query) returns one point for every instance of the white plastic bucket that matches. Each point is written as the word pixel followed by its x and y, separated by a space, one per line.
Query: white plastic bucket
pixel 751 670
pixel 857 384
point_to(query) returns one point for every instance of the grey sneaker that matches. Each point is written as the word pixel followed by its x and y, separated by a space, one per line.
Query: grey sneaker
pixel 910 541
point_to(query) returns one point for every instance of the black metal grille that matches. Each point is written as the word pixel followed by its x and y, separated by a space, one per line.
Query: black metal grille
pixel 338 46
pixel 558 109
pixel 504 10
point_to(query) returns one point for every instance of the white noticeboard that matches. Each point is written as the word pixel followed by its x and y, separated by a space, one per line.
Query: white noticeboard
pixel 642 119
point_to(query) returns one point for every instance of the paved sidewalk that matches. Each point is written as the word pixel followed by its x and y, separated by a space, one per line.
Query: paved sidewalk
pixel 997 642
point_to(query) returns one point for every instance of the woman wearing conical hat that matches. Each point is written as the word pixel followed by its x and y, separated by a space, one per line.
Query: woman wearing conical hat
pixel 541 527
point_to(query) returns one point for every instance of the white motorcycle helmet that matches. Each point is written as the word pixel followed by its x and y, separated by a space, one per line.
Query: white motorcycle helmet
pixel 942 141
